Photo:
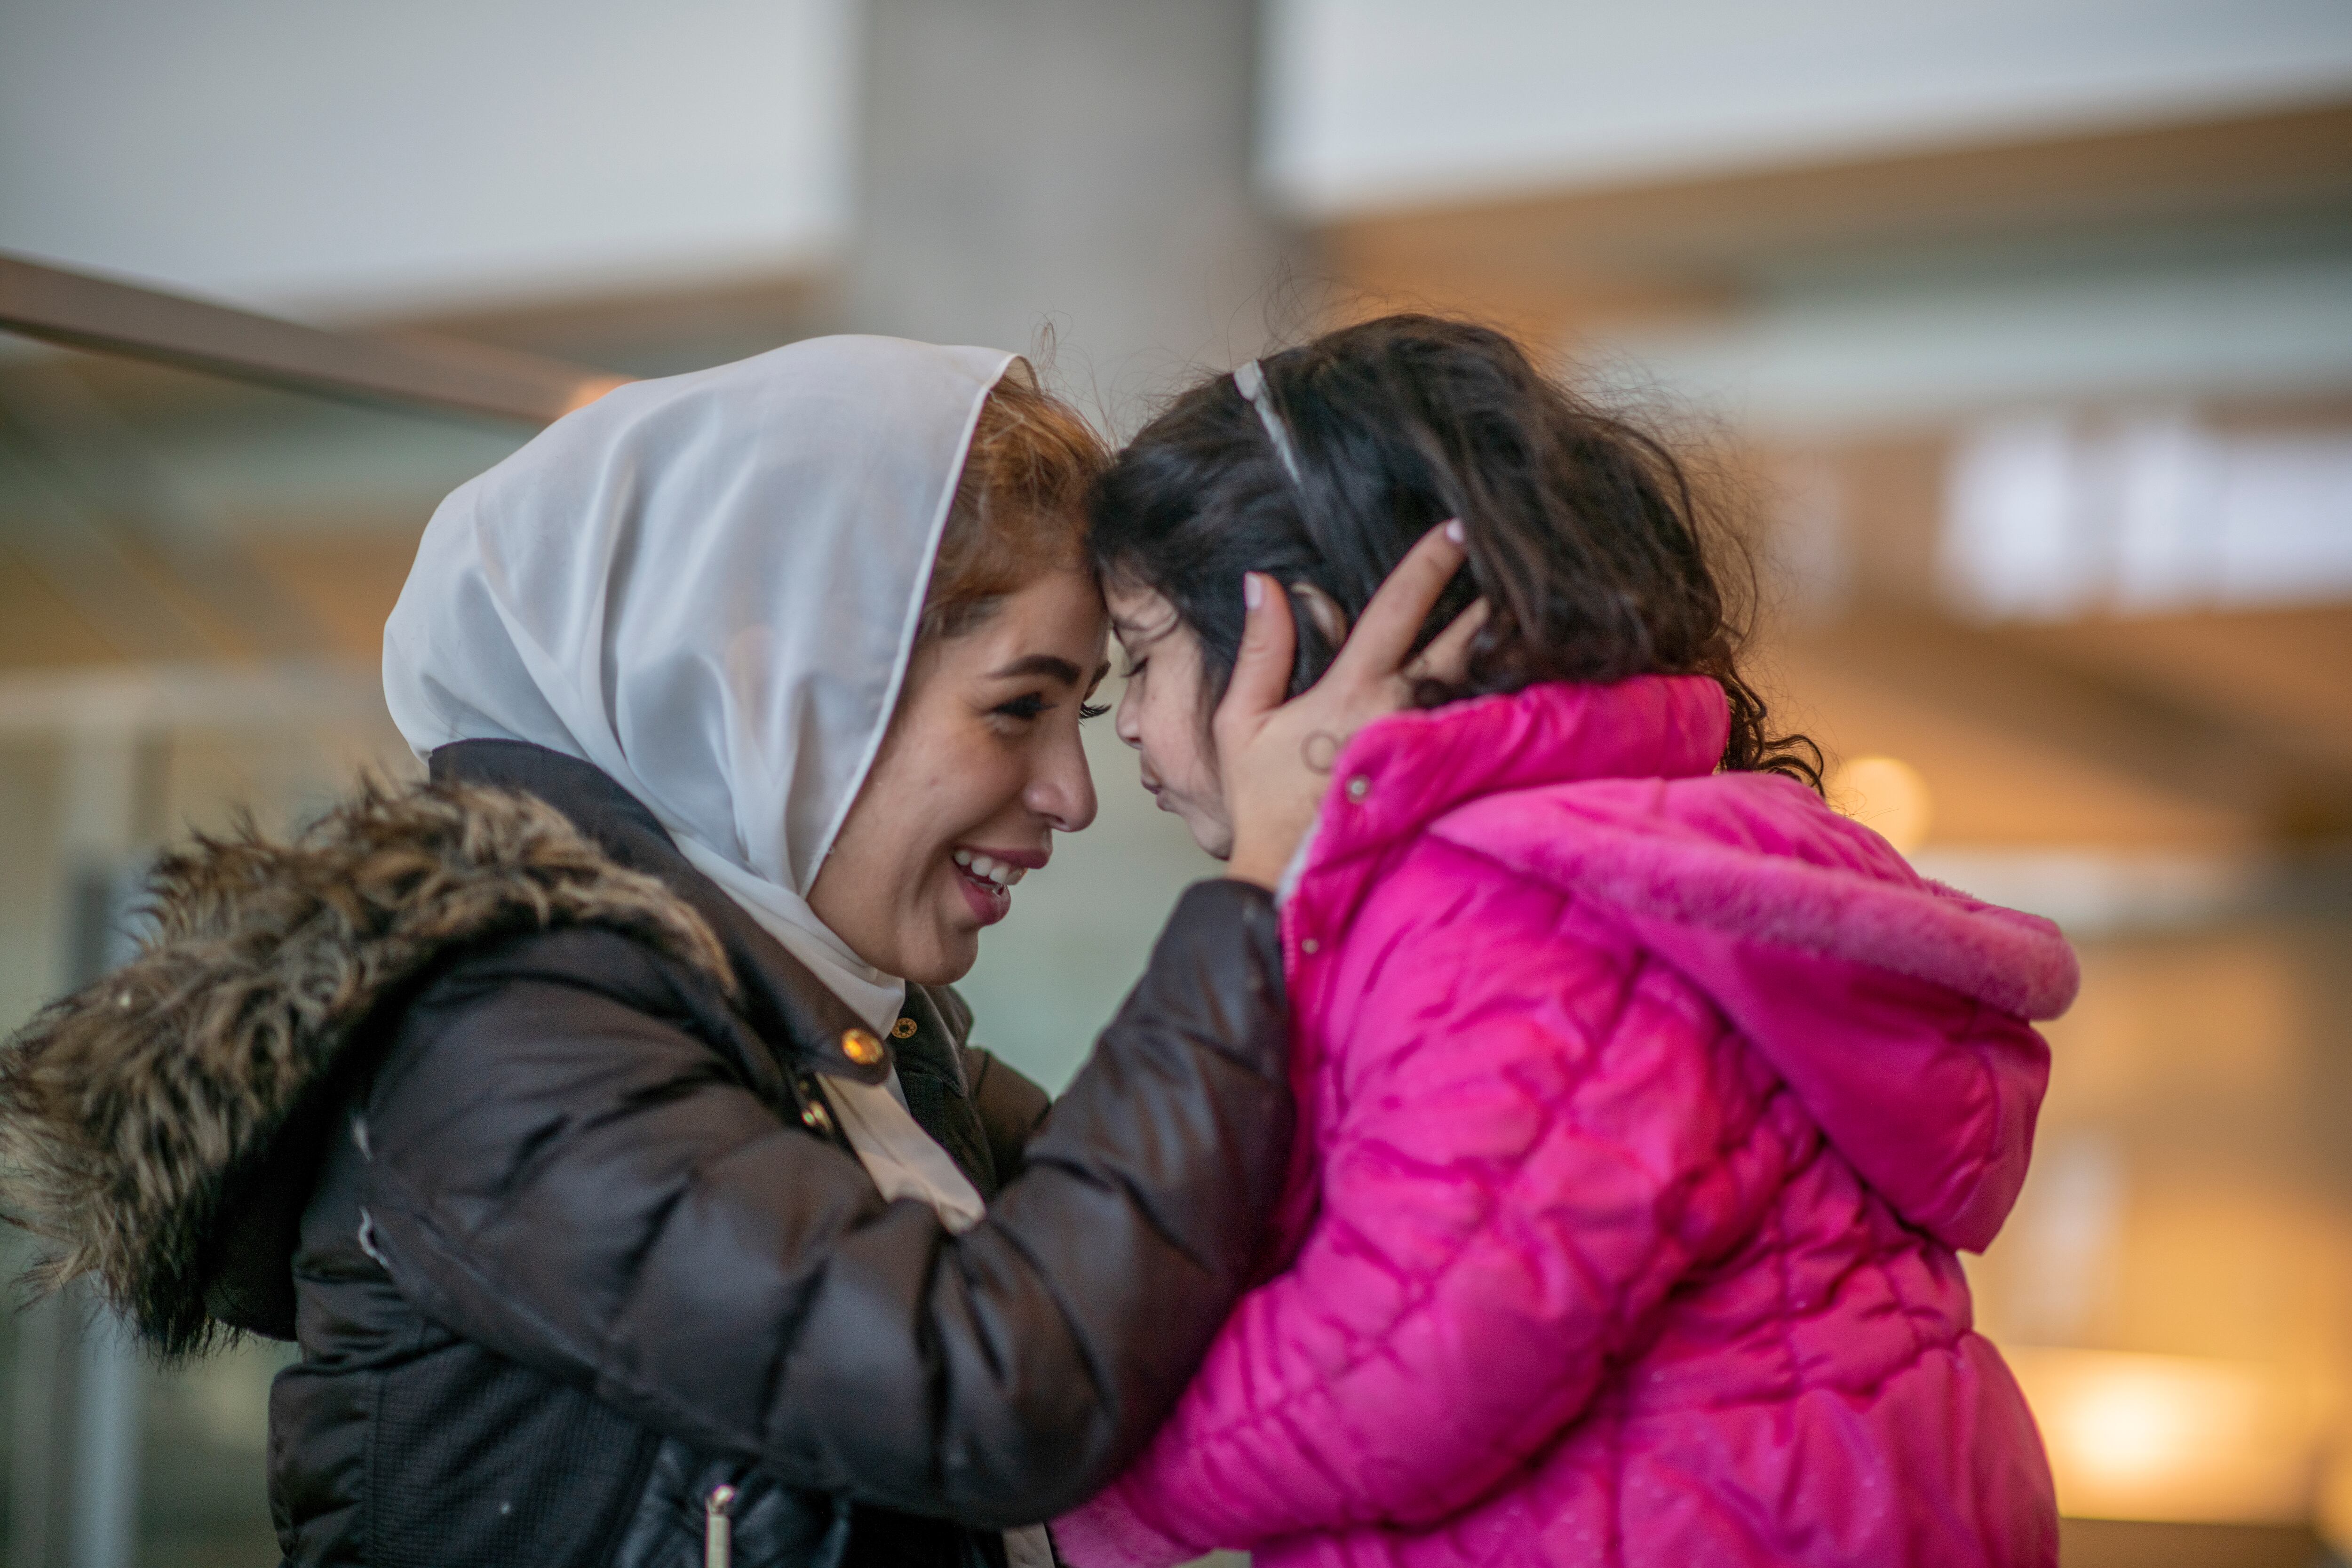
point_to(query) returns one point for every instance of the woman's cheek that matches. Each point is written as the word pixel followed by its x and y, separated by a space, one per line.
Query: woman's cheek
pixel 994 777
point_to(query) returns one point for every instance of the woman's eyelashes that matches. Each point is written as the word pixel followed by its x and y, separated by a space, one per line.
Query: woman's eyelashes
pixel 1031 706
pixel 1028 706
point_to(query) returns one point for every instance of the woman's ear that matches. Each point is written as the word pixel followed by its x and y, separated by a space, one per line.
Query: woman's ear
pixel 1323 610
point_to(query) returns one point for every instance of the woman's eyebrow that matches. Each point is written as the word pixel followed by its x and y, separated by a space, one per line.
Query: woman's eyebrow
pixel 1044 664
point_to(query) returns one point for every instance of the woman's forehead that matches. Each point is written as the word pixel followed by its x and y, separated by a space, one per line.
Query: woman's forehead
pixel 1060 612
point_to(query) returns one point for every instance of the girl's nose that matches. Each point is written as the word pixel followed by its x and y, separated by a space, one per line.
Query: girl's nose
pixel 1127 723
pixel 1062 791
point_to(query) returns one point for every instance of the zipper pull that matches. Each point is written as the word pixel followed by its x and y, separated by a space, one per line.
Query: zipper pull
pixel 717 1530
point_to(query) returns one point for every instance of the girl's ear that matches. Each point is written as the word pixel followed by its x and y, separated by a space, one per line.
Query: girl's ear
pixel 1323 610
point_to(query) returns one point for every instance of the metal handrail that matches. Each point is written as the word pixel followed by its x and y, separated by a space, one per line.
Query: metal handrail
pixel 62 305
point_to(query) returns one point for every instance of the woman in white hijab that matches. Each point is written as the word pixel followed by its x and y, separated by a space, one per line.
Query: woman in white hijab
pixel 675 1220
pixel 711 588
pixel 823 614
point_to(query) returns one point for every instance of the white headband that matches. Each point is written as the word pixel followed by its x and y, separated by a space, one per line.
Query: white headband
pixel 1250 382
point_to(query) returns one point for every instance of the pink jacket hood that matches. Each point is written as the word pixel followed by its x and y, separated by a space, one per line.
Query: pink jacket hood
pixel 1855 975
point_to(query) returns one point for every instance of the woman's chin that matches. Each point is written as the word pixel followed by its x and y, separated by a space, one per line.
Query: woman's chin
pixel 951 949
pixel 950 963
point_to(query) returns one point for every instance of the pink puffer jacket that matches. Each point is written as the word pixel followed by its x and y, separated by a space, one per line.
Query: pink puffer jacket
pixel 1642 1109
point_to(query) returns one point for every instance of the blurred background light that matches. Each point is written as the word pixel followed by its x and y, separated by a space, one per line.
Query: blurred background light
pixel 2173 1438
pixel 1888 795
pixel 2144 515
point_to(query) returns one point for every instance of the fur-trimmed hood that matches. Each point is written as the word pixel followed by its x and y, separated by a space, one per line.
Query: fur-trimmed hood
pixel 135 1111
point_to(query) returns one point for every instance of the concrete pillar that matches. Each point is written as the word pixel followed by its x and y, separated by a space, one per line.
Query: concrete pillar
pixel 1074 161
pixel 1084 166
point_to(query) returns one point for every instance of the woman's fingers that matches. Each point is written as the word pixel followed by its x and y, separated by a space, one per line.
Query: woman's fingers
pixel 1276 756
pixel 1385 634
pixel 1448 653
pixel 1261 676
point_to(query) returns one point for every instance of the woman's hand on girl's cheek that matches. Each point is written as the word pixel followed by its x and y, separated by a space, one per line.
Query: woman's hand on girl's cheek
pixel 1276 757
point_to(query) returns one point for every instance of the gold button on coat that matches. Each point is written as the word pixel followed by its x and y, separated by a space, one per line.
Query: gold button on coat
pixel 861 1047
pixel 904 1029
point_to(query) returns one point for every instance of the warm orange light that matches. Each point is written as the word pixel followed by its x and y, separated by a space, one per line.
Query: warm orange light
pixel 588 391
pixel 1888 795
pixel 2173 1439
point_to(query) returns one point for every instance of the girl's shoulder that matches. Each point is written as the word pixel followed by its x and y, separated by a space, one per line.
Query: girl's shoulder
pixel 1449 931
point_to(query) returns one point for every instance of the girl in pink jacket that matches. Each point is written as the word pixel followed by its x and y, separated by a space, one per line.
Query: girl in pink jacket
pixel 1645 1100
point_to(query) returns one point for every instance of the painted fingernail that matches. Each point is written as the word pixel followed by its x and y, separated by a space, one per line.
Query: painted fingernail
pixel 1454 529
pixel 1253 590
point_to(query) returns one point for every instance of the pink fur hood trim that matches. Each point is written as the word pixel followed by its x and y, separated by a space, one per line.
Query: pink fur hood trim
pixel 1704 852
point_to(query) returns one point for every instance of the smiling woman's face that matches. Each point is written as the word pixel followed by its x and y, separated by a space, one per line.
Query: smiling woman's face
pixel 980 767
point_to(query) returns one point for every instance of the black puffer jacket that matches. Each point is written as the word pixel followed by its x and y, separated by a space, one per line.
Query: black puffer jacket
pixel 518 1125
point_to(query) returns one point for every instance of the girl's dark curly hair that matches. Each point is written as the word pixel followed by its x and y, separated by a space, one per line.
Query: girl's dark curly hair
pixel 1586 538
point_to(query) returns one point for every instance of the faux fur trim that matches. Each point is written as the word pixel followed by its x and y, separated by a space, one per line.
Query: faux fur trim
pixel 2013 961
pixel 126 1107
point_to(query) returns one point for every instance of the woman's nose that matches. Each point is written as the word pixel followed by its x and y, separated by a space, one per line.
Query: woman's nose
pixel 1063 791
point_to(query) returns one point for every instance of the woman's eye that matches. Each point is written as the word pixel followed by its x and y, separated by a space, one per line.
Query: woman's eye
pixel 1029 706
pixel 1093 709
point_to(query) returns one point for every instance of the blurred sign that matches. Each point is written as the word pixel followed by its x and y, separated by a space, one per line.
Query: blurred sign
pixel 2048 517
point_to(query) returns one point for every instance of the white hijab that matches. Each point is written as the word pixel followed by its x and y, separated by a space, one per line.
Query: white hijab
pixel 708 586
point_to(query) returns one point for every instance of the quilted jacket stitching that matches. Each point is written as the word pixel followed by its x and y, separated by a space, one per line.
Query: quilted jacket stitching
pixel 1609 1327
pixel 1785 1201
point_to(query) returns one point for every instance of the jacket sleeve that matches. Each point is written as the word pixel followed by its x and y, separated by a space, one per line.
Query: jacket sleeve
pixel 583 1186
pixel 1503 1205
pixel 1011 1108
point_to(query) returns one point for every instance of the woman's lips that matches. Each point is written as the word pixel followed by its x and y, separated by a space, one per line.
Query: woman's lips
pixel 989 904
pixel 987 877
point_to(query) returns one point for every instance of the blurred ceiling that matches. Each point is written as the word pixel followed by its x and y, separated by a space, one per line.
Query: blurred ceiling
pixel 1843 322
pixel 1585 258
pixel 343 161
pixel 1840 269
pixel 1391 105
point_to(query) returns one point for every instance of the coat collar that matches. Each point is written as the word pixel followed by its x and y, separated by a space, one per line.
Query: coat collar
pixel 777 994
